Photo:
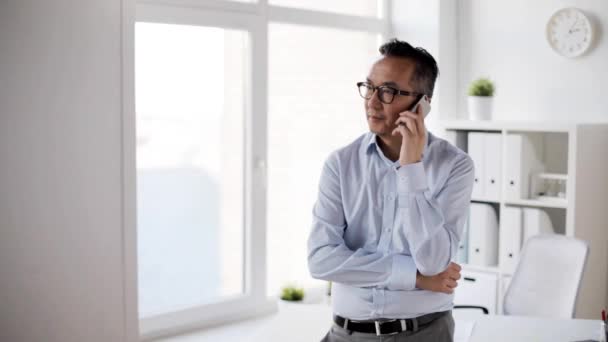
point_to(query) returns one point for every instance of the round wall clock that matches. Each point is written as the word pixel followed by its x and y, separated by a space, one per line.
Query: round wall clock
pixel 569 32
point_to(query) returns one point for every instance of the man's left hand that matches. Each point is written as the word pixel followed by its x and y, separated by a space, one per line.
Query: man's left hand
pixel 444 282
pixel 413 132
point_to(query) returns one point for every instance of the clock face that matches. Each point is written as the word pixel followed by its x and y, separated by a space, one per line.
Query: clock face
pixel 569 32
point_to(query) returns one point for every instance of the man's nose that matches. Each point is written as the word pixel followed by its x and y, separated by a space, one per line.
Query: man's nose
pixel 374 101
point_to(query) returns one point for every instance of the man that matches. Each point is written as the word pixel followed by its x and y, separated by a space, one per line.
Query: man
pixel 390 212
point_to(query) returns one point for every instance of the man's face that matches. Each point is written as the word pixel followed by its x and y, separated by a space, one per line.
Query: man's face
pixel 396 73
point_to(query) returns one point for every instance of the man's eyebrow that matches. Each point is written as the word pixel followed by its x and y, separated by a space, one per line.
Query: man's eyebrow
pixel 390 83
pixel 393 84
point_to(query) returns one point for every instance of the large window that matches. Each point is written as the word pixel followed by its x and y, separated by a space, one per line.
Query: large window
pixel 314 108
pixel 238 104
pixel 190 136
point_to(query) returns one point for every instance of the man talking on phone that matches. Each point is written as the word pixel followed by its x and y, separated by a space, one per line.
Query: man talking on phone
pixel 391 210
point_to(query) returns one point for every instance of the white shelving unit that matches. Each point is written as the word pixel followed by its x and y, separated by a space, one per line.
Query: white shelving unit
pixel 576 153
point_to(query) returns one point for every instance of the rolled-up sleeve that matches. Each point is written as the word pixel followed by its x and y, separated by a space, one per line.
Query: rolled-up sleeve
pixel 330 259
pixel 434 223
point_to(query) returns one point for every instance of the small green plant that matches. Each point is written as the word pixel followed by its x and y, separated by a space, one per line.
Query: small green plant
pixel 481 87
pixel 292 293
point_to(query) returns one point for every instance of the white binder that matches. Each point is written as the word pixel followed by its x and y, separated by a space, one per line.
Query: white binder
pixel 524 155
pixel 493 165
pixel 476 152
pixel 536 221
pixel 510 238
pixel 483 235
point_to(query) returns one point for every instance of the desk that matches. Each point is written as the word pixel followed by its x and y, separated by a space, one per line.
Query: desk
pixel 518 328
pixel 315 319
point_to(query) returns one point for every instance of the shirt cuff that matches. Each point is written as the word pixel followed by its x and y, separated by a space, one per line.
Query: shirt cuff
pixel 411 178
pixel 403 273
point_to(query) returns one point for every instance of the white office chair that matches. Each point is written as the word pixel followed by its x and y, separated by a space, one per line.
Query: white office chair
pixel 547 278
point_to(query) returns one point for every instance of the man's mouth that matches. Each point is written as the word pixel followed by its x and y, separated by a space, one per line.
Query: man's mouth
pixel 375 116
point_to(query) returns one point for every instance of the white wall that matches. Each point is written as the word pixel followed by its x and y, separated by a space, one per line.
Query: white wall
pixel 505 40
pixel 433 25
pixel 62 275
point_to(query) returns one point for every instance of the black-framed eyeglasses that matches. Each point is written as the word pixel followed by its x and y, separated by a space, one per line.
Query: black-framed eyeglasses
pixel 386 94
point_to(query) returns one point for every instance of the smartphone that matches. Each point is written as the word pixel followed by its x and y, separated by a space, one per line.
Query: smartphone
pixel 424 102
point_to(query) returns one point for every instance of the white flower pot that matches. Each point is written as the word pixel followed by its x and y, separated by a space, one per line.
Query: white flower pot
pixel 480 107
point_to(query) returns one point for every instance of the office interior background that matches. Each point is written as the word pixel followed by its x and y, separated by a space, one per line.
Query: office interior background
pixel 160 158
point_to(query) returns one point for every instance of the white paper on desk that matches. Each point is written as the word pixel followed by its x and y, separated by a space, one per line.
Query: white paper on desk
pixel 463 330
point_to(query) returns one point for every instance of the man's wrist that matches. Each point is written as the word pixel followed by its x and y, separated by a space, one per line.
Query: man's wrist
pixel 419 278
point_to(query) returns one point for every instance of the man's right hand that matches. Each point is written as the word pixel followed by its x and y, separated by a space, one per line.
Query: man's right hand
pixel 444 282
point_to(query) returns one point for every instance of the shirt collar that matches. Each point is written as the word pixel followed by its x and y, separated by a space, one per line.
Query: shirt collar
pixel 372 144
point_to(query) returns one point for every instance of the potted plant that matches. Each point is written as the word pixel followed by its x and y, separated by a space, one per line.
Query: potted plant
pixel 480 93
pixel 292 294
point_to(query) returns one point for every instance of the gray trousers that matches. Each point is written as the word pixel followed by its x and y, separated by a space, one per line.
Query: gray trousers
pixel 440 330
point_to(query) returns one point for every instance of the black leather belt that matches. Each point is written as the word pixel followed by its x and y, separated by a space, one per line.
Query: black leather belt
pixel 387 327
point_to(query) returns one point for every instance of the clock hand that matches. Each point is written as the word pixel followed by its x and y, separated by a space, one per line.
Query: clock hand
pixel 575 21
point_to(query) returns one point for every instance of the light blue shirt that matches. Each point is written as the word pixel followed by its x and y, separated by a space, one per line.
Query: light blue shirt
pixel 375 223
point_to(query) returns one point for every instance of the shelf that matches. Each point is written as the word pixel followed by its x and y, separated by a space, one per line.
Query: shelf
pixel 556 176
pixel 538 203
pixel 527 203
pixel 531 158
pixel 514 126
pixel 485 200
pixel 471 125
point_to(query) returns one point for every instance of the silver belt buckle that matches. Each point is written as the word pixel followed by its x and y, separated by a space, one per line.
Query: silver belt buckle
pixel 377 324
pixel 403 325
pixel 377 328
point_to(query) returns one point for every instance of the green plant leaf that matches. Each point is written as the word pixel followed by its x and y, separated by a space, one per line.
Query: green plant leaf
pixel 292 293
pixel 481 87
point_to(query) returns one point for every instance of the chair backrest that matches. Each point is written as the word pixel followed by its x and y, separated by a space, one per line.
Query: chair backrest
pixel 547 278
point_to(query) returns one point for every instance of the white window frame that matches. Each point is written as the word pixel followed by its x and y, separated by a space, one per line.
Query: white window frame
pixel 253 18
